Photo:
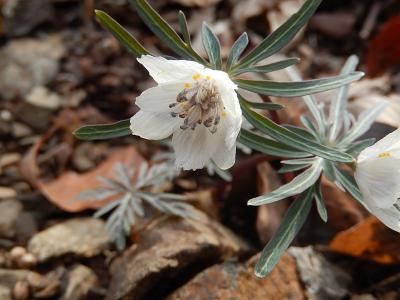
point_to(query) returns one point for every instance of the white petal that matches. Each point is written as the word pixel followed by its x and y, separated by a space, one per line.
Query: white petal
pixel 388 216
pixel 390 143
pixel 163 70
pixel 379 181
pixel 157 99
pixel 153 126
pixel 224 158
pixel 193 148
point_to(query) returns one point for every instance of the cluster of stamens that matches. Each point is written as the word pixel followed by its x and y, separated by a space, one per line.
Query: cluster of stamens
pixel 199 103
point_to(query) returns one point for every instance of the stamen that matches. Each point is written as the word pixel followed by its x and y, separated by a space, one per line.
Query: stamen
pixel 199 104
pixel 384 154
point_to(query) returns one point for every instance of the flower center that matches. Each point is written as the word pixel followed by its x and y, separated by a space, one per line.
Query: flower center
pixel 198 104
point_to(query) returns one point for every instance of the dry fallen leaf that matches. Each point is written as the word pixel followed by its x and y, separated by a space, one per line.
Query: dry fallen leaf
pixel 384 49
pixel 370 239
pixel 62 190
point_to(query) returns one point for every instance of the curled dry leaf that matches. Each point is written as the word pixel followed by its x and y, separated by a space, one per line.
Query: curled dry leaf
pixel 62 190
pixel 369 239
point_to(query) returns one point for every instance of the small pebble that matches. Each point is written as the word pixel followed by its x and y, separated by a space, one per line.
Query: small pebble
pixel 21 290
pixel 17 253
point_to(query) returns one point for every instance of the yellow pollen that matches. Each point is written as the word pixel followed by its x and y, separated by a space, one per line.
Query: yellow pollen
pixel 384 154
pixel 187 85
pixel 196 76
pixel 223 114
pixel 208 77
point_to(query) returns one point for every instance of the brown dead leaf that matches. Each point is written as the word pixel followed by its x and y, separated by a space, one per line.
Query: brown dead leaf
pixel 63 189
pixel 369 239
pixel 384 48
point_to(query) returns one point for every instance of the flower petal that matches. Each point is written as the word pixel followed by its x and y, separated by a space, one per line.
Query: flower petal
pixel 193 148
pixel 388 216
pixel 389 143
pixel 379 181
pixel 157 99
pixel 163 70
pixel 153 126
pixel 224 158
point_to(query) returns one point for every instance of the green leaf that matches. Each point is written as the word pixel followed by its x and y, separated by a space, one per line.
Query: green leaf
pixel 299 161
pixel 298 185
pixel 103 131
pixel 184 28
pixel 120 33
pixel 164 31
pixel 270 67
pixel 339 102
pixel 355 148
pixel 349 184
pixel 268 146
pixel 310 126
pixel 300 131
pixel 294 89
pixel 282 36
pixel 264 105
pixel 289 138
pixel 212 46
pixel 237 49
pixel 329 170
pixel 320 202
pixel 292 168
pixel 287 231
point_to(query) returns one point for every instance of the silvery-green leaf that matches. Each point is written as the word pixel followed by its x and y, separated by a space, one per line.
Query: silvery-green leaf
pixel 300 131
pixel 310 126
pixel 120 33
pixel 294 89
pixel 364 122
pixel 279 65
pixel 268 146
pixel 290 138
pixel 184 28
pixel 103 131
pixel 310 101
pixel 264 105
pixel 290 226
pixel 164 31
pixel 212 46
pixel 355 148
pixel 237 49
pixel 349 184
pixel 300 161
pixel 329 170
pixel 282 36
pixel 99 193
pixel 320 202
pixel 106 209
pixel 292 168
pixel 339 101
pixel 298 185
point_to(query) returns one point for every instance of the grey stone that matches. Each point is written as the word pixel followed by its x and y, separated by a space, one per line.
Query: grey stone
pixel 80 280
pixel 9 212
pixel 84 237
pixel 5 293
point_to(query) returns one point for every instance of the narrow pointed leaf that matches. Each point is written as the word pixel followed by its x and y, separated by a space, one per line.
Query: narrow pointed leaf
pixel 355 148
pixel 298 185
pixel 339 101
pixel 320 202
pixel 300 131
pixel 184 28
pixel 270 67
pixel 268 146
pixel 291 139
pixel 299 161
pixel 309 125
pixel 364 122
pixel 283 35
pixel 292 168
pixel 164 31
pixel 287 231
pixel 212 46
pixel 120 33
pixel 237 49
pixel 329 170
pixel 295 89
pixel 265 105
pixel 103 131
pixel 349 184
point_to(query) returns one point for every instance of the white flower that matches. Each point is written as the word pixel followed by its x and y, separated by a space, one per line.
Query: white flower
pixel 197 105
pixel 378 177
